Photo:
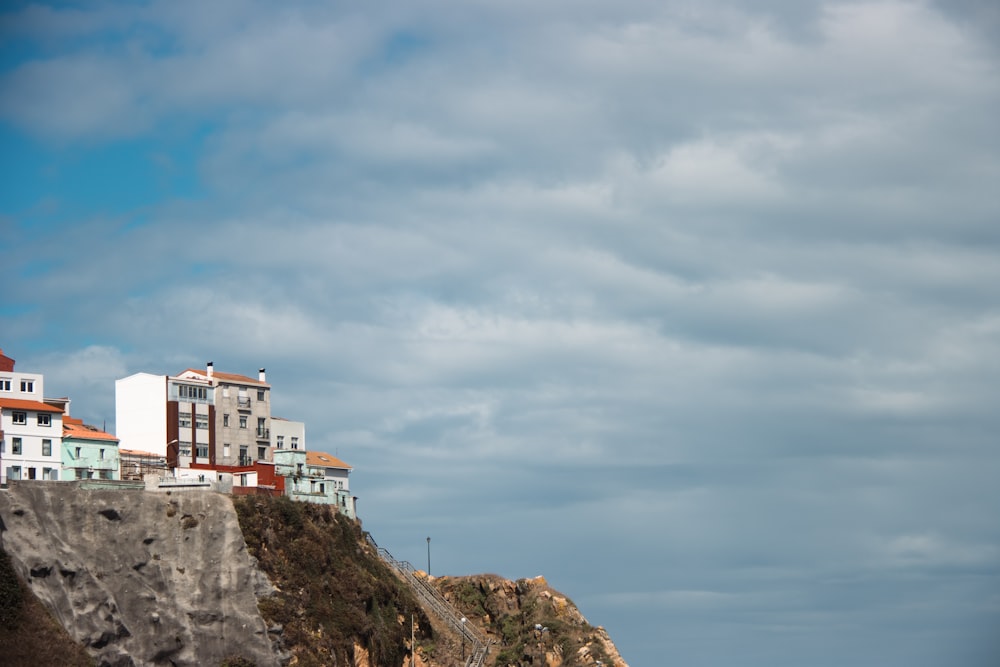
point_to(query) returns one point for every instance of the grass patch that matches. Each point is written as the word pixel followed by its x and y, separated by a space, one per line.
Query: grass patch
pixel 333 591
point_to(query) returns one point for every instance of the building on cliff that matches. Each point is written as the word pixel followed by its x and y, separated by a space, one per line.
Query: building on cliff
pixel 315 477
pixel 215 430
pixel 196 417
pixel 88 452
pixel 30 428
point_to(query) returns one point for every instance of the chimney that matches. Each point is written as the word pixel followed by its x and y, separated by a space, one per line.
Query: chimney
pixel 261 375
pixel 210 369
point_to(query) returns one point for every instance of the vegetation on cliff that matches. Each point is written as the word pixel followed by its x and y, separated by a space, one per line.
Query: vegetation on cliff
pixel 336 600
pixel 531 623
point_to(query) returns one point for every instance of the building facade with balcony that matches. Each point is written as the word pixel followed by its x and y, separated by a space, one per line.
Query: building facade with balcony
pixel 30 428
pixel 315 477
pixel 88 452
pixel 198 418
pixel 167 416
pixel 242 417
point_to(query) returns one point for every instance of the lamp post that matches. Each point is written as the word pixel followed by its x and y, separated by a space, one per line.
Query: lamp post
pixel 428 556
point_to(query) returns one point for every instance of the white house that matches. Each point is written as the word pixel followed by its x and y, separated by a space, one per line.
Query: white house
pixel 30 429
pixel 198 418
pixel 286 434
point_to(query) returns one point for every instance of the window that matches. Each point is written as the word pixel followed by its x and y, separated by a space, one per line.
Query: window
pixel 14 472
pixel 28 386
pixel 46 447
pixel 225 450
pixel 184 419
pixel 195 393
pixel 101 454
pixel 16 446
pixel 202 451
pixel 47 473
pixel 244 456
pixel 44 419
pixel 225 419
pixel 201 421
pixel 261 453
pixel 4 384
pixel 77 452
pixel 281 441
pixel 185 449
pixel 260 394
pixel 243 421
pixel 19 418
pixel 322 488
pixel 295 442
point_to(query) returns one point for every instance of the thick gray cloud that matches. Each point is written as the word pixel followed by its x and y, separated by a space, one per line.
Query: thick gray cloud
pixel 690 307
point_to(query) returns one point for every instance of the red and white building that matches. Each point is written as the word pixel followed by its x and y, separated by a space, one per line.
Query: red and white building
pixel 30 429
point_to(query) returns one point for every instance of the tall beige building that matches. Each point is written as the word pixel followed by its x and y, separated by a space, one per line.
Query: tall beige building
pixel 242 415
pixel 196 418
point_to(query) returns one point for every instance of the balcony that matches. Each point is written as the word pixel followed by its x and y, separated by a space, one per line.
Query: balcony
pixel 243 403
pixel 263 433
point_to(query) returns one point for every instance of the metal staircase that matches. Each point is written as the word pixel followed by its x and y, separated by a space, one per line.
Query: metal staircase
pixel 435 601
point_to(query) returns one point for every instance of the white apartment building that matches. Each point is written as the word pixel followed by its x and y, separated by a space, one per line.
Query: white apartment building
pixel 30 429
pixel 286 434
pixel 198 418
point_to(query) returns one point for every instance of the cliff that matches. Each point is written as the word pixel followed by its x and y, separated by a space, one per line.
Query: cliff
pixel 199 578
pixel 139 578
pixel 531 623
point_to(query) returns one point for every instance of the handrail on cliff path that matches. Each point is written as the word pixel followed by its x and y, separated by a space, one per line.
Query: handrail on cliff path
pixel 437 602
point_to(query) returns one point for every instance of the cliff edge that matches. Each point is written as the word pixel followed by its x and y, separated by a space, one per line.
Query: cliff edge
pixel 140 578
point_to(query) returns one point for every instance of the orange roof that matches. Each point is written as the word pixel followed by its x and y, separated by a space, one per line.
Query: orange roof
pixel 325 460
pixel 139 452
pixel 75 428
pixel 22 404
pixel 227 377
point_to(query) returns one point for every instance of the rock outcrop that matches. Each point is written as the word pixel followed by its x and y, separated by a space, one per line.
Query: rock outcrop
pixel 140 578
pixel 531 623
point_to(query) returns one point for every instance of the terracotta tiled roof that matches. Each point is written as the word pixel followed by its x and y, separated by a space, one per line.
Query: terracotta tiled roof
pixel 139 452
pixel 322 459
pixel 22 404
pixel 75 428
pixel 227 377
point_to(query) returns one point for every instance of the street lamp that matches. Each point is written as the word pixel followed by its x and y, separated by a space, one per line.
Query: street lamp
pixel 428 556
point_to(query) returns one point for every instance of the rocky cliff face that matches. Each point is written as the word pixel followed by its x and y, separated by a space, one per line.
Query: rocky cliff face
pixel 140 578
pixel 531 623
pixel 143 578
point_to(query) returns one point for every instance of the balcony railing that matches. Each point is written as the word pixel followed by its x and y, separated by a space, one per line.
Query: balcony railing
pixel 243 402
pixel 263 433
pixel 245 461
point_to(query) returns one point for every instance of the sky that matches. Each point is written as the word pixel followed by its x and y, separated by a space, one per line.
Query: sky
pixel 692 307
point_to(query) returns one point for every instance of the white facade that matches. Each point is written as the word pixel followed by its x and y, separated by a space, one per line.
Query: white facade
pixel 286 434
pixel 141 412
pixel 30 430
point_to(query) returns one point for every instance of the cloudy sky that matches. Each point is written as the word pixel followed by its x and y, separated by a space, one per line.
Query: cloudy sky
pixel 692 307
